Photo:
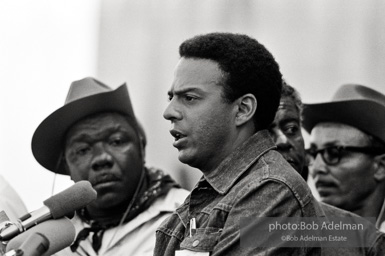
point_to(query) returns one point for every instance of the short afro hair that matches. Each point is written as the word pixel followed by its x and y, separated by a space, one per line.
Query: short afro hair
pixel 249 68
pixel 290 92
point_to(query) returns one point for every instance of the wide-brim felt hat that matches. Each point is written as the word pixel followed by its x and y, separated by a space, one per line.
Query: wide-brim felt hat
pixel 352 104
pixel 85 97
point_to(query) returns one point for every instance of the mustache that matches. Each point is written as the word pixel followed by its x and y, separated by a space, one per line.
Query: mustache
pixel 105 177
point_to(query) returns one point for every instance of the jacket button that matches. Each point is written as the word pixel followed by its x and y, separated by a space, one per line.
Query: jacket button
pixel 195 243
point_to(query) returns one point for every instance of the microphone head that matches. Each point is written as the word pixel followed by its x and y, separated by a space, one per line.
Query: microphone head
pixel 73 198
pixel 35 245
pixel 60 234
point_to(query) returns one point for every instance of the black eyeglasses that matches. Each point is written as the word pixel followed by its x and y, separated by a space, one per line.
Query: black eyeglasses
pixel 332 155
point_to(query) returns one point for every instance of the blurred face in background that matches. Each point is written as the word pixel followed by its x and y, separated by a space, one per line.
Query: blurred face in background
pixel 105 150
pixel 343 178
pixel 286 132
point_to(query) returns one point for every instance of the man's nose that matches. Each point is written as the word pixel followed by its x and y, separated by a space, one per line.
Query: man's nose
pixel 172 113
pixel 281 140
pixel 317 165
pixel 102 158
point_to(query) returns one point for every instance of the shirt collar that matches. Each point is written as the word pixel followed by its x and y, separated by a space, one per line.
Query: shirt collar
pixel 233 166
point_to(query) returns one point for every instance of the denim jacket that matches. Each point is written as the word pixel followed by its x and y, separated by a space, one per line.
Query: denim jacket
pixel 372 240
pixel 254 180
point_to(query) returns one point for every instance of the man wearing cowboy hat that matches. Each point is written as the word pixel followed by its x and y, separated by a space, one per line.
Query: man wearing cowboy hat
pixel 287 135
pixel 347 150
pixel 95 136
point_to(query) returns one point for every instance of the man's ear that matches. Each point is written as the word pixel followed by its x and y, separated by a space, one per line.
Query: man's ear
pixel 143 143
pixel 246 107
pixel 379 162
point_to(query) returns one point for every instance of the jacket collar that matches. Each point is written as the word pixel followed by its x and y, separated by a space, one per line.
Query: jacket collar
pixel 233 166
pixel 381 216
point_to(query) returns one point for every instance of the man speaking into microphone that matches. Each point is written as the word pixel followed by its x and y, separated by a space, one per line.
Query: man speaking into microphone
pixel 95 136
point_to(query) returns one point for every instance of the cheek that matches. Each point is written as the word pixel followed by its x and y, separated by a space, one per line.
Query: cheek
pixel 130 168
pixel 347 182
pixel 355 188
pixel 129 151
pixel 298 145
pixel 128 157
pixel 77 174
pixel 299 142
pixel 78 167
pixel 77 161
pixel 210 131
pixel 350 176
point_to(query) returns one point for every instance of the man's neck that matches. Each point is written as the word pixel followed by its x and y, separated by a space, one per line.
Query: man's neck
pixel 105 216
pixel 372 205
pixel 116 213
pixel 238 139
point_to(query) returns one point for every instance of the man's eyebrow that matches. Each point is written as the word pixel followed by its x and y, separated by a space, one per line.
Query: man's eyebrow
pixel 78 138
pixel 290 119
pixel 184 90
pixel 83 136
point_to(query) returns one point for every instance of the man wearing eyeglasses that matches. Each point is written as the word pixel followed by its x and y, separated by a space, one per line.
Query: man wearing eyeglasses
pixel 347 150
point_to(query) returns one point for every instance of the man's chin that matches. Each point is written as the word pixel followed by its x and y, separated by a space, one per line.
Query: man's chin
pixel 183 157
pixel 106 201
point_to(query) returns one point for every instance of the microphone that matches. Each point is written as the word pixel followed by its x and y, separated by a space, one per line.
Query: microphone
pixel 62 204
pixel 35 245
pixel 58 233
pixel 4 223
